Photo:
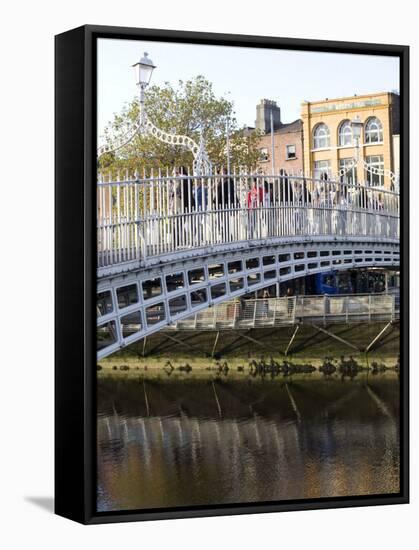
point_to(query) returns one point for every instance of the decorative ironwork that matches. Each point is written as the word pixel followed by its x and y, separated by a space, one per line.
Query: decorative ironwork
pixel 121 141
pixel 144 126
pixel 394 178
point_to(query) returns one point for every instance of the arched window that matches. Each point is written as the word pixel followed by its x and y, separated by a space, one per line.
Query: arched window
pixel 321 136
pixel 345 134
pixel 373 131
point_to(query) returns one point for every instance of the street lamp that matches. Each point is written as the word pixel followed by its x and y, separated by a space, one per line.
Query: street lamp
pixel 143 125
pixel 228 143
pixel 356 126
pixel 143 71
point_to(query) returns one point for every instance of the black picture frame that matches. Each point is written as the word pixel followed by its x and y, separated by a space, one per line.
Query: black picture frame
pixel 75 270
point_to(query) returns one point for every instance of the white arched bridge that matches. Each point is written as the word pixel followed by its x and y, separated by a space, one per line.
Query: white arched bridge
pixel 172 245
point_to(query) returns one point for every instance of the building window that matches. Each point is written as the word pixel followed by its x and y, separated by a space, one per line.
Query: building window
pixel 321 136
pixel 374 171
pixel 291 152
pixel 373 131
pixel 345 134
pixel 264 154
pixel 347 171
pixel 322 170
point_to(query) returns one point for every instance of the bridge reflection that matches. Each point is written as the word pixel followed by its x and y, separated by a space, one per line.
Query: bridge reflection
pixel 343 441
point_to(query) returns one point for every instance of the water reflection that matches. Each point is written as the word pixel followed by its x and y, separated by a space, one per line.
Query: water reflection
pixel 192 442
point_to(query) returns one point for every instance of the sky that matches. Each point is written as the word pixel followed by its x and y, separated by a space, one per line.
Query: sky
pixel 242 75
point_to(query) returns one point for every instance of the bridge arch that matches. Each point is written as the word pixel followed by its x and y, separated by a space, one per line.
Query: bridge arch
pixel 159 295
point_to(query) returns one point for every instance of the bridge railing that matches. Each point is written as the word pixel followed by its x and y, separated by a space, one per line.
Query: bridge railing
pixel 271 312
pixel 144 217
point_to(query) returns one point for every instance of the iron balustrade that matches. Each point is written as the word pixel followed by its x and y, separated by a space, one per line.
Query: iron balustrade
pixel 272 312
pixel 147 217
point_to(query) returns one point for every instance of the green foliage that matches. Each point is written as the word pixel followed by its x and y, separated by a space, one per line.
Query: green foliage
pixel 188 109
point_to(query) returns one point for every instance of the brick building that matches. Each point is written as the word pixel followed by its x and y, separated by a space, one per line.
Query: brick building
pixel 288 150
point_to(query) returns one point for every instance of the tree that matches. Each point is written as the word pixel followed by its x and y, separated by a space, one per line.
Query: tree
pixel 188 109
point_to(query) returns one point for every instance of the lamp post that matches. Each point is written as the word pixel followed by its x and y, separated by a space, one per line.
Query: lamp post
pixel 272 143
pixel 143 71
pixel 228 144
pixel 143 125
pixel 356 126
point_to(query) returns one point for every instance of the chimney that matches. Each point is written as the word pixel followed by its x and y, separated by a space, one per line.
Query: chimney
pixel 263 115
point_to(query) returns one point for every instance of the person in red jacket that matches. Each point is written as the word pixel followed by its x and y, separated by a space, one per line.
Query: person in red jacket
pixel 255 195
pixel 254 201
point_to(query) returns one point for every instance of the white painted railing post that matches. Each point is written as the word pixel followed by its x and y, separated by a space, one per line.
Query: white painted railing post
pixel 214 319
pixel 275 310
pixel 236 313
pixel 347 308
pixel 325 298
pixel 294 308
pixel 254 313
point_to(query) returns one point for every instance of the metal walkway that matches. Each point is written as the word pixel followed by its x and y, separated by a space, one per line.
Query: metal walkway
pixel 277 312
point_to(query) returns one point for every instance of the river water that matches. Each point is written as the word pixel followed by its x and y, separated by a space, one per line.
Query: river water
pixel 167 442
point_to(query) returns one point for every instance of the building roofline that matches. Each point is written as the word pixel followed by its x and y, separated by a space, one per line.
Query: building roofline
pixel 343 98
pixel 282 130
pixel 286 125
